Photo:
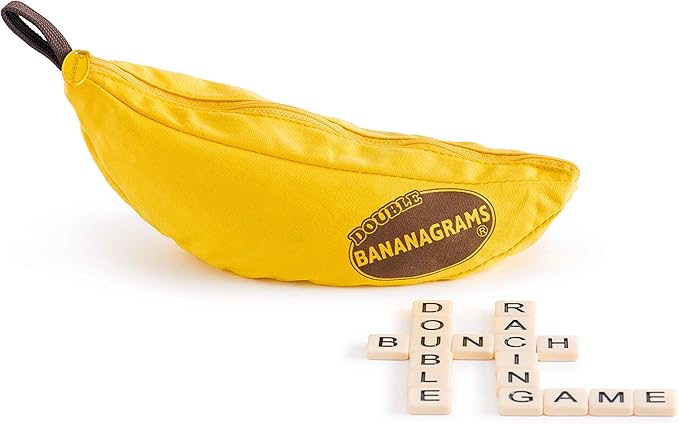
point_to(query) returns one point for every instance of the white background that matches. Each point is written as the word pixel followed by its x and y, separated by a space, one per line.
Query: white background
pixel 102 320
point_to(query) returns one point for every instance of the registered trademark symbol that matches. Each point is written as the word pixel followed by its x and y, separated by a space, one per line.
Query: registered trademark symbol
pixel 481 231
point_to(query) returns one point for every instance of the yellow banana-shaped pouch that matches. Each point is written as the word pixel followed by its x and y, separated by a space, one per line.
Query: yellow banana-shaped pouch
pixel 267 190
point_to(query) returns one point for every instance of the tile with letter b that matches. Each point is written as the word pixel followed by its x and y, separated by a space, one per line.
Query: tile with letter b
pixel 514 308
pixel 611 402
pixel 388 346
pixel 520 402
pixel 558 348
pixel 516 359
pixel 429 400
pixel 655 403
pixel 473 346
pixel 430 358
pixel 565 402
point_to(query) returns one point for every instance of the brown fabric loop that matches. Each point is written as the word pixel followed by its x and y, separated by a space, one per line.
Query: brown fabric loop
pixel 53 46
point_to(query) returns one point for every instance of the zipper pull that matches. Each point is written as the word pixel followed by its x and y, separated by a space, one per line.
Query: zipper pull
pixel 76 67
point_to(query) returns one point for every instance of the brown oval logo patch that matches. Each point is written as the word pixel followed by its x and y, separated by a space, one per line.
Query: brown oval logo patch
pixel 420 233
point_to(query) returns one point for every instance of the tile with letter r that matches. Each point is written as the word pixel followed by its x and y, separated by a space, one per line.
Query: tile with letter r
pixel 514 308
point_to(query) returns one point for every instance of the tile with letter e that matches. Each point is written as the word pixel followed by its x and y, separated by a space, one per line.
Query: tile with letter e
pixel 388 346
pixel 520 402
pixel 655 403
pixel 514 308
pixel 565 402
pixel 473 346
pixel 429 400
pixel 611 402
pixel 558 348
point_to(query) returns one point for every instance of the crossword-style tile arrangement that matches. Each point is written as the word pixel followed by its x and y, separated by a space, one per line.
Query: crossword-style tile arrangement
pixel 431 347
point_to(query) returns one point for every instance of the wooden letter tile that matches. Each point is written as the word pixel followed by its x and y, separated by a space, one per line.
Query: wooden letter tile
pixel 558 348
pixel 611 402
pixel 388 346
pixel 473 346
pixel 655 403
pixel 566 402
pixel 516 359
pixel 429 401
pixel 514 308
pixel 522 402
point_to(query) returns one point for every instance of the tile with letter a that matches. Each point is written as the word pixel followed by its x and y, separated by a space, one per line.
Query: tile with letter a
pixel 429 401
pixel 655 403
pixel 521 402
pixel 611 402
pixel 515 325
pixel 565 402
pixel 388 346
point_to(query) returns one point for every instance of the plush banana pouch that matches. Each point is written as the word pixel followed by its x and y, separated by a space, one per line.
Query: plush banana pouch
pixel 267 190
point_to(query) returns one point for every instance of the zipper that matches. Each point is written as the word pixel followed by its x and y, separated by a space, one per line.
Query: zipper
pixel 235 105
pixel 336 126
